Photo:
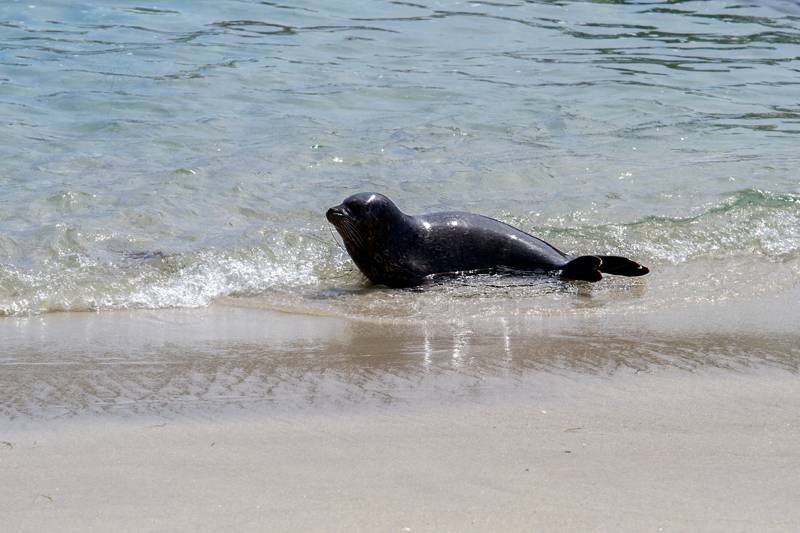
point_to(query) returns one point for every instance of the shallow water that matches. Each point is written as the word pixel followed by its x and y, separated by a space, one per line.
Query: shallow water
pixel 171 156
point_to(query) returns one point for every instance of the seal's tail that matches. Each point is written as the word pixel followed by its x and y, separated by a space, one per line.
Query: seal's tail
pixel 621 266
pixel 591 267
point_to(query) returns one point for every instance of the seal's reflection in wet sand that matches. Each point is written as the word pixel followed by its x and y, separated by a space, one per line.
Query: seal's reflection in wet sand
pixel 171 362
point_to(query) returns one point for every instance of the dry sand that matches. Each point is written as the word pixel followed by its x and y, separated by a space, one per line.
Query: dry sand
pixel 645 454
pixel 245 420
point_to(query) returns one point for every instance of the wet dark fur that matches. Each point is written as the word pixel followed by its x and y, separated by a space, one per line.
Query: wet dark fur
pixel 399 250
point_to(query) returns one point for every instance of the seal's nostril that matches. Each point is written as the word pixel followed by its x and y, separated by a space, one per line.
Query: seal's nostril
pixel 334 212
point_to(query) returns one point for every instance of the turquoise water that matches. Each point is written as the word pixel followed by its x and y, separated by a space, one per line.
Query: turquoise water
pixel 171 155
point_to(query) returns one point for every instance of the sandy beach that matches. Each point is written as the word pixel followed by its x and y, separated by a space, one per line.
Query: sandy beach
pixel 645 454
pixel 246 419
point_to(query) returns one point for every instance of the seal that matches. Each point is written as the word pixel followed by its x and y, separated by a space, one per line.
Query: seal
pixel 395 249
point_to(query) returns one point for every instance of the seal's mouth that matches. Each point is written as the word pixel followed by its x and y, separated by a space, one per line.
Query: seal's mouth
pixel 336 214
pixel 343 221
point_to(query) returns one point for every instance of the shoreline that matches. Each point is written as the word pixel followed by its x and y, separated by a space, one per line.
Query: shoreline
pixel 175 362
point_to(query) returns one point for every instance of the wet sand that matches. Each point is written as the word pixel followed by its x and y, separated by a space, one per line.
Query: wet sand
pixel 246 419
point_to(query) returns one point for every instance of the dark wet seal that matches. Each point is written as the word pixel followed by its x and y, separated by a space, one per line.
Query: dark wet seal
pixel 399 250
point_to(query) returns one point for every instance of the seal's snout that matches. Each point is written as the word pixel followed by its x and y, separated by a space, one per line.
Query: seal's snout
pixel 335 213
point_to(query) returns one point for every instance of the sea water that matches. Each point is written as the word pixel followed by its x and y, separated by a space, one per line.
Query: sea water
pixel 174 154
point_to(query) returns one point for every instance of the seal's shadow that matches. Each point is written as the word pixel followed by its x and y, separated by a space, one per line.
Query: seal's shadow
pixel 496 284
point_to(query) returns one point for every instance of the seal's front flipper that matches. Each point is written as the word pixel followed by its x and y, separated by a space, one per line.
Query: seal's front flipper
pixel 585 268
pixel 621 266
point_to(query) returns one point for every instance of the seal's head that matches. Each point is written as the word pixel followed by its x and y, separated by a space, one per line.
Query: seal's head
pixel 366 221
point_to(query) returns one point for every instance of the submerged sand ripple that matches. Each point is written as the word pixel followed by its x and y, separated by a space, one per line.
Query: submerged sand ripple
pixel 207 360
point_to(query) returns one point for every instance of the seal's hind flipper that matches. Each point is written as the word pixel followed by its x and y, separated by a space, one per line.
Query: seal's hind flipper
pixel 621 266
pixel 585 268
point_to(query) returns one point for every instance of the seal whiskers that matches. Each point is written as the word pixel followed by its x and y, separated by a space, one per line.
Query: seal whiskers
pixel 352 235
